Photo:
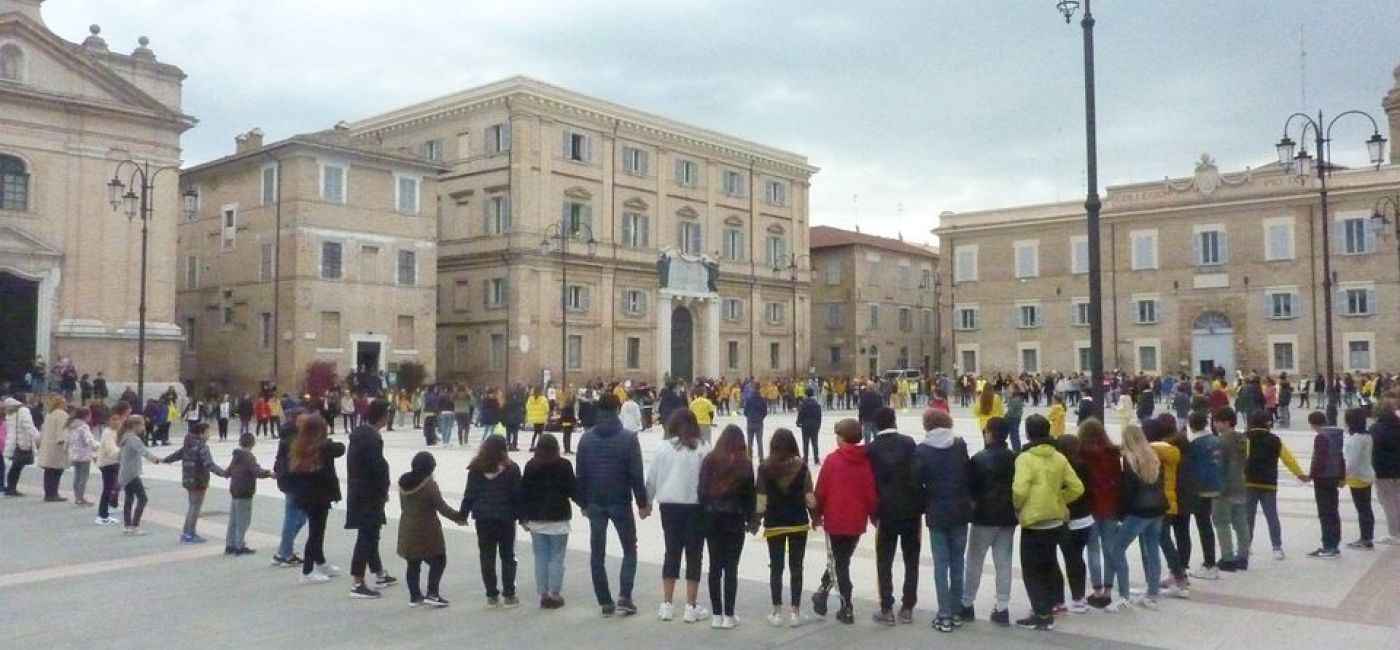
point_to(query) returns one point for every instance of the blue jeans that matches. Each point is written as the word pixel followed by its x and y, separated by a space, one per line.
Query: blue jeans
pixel 1013 434
pixel 1254 499
pixel 293 518
pixel 1099 550
pixel 620 515
pixel 1148 533
pixel 949 545
pixel 755 438
pixel 549 562
pixel 445 422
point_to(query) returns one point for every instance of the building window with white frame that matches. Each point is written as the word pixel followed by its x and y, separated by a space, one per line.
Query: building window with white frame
pixel 1211 246
pixel 498 351
pixel 1278 239
pixel 1144 250
pixel 406 193
pixel 1359 355
pixel 928 321
pixel 577 217
pixel 1147 359
pixel 732 248
pixel 965 318
pixel 906 319
pixel 333 183
pixel 636 230
pixel 1030 360
pixel 873 269
pixel 498 215
pixel 733 309
pixel 576 298
pixel 1028 315
pixel 1078 255
pixel 874 321
pixel 1027 258
pixel 577 146
pixel 692 241
pixel 408 268
pixel 432 149
pixel 1145 311
pixel 229 230
pixel 833 272
pixel 265 330
pixel 775 193
pixel 776 251
pixel 498 138
pixel 634 302
pixel 968 358
pixel 777 313
pixel 687 173
pixel 495 292
pixel 269 184
pixel 1079 312
pixel 1356 236
pixel 575 351
pixel 1281 304
pixel 732 354
pixel 634 353
pixel 189 334
pixel 1283 357
pixel 835 315
pixel 965 264
pixel 1358 301
pixel 775 356
pixel 331 260
pixel 733 184
pixel 634 161
pixel 14 184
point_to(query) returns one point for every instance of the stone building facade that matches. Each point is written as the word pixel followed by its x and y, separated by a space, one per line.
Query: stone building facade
pixel 70 265
pixel 874 304
pixel 687 226
pixel 313 248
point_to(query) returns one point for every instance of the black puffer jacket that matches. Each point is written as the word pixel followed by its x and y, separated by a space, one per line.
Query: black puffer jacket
pixel 892 458
pixel 989 478
pixel 366 479
pixel 546 490
pixel 1385 446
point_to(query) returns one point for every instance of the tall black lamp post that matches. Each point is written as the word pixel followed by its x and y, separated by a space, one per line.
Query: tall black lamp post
pixel 792 264
pixel 556 238
pixel 1092 204
pixel 1301 163
pixel 134 198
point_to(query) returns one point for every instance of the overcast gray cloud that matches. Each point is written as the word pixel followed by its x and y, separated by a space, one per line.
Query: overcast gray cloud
pixel 930 105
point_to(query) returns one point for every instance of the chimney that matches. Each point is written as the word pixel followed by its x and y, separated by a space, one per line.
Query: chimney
pixel 1392 111
pixel 250 141
pixel 29 8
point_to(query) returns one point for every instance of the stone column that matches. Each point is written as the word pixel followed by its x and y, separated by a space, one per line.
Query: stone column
pixel 712 357
pixel 663 336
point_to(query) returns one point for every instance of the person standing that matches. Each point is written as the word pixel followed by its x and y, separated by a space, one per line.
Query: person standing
pixel 1385 462
pixel 1228 512
pixel 1015 408
pixel 108 455
pixel 1080 526
pixel 311 462
pixel 988 406
pixel 446 422
pixel 943 476
pixel 610 478
pixel 1360 476
pixel 1327 470
pixel 785 501
pixel 547 489
pixel 196 463
pixel 1203 461
pixel 990 475
pixel 513 415
pixel 293 518
pixel 243 474
pixel 809 421
pixel 420 533
pixel 755 411
pixel 536 414
pixel 492 498
pixel 19 442
pixel 367 490
pixel 1043 487
pixel 222 413
pixel 672 483
pixel 847 502
pixel 244 411
pixel 727 502
pixel 52 448
pixel 133 451
pixel 867 404
pixel 1144 502
pixel 704 411
pixel 82 448
pixel 1266 450
pixel 892 459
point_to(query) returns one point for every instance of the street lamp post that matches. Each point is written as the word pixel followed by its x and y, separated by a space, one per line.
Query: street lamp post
pixel 557 236
pixel 1092 205
pixel 792 263
pixel 1387 212
pixel 1302 164
pixel 142 176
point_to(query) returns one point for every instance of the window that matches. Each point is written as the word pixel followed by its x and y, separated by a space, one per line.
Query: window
pixel 965 264
pixel 330 260
pixel 1355 235
pixel 733 184
pixel 269 184
pixel 904 276
pixel 1211 247
pixel 1278 239
pixel 431 149
pixel 733 309
pixel 407 195
pixel 191 272
pixel 189 334
pixel 775 193
pixel 265 330
pixel 266 260
pixel 229 230
pixel 461 352
pixel 498 351
pixel 1282 355
pixel 577 218
pixel 498 140
pixel 1079 312
pixel 965 318
pixel 969 361
pixel 1027 258
pixel 636 230
pixel 461 295
pixel 634 302
pixel 1085 358
pixel 1359 355
pixel 775 249
pixel 405 336
pixel 333 183
pixel 834 355
pixel 498 215
pixel 874 319
pixel 369 264
pixel 776 313
pixel 577 298
pixel 775 356
pixel 691 240
pixel 1145 311
pixel 928 321
pixel 1030 360
pixel 574 351
pixel 14 184
pixel 496 292
pixel 687 173
pixel 926 277
pixel 408 268
pixel 833 273
pixel 906 319
pixel 834 315
pixel 634 161
pixel 732 354
pixel 873 269
pixel 11 62
pixel 227 312
pixel 634 353
pixel 1078 255
pixel 1281 304
pixel 576 147
pixel 1358 301
pixel 1144 249
pixel 1147 358
pixel 733 244
pixel 1028 316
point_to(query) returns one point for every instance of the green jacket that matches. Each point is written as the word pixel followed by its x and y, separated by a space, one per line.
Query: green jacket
pixel 1044 486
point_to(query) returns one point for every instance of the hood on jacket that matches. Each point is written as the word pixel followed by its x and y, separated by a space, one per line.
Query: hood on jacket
pixel 608 425
pixel 421 470
pixel 1040 448
pixel 939 438
pixel 855 453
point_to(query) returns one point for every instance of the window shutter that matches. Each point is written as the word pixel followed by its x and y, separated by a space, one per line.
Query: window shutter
pixel 564 212
pixel 1371 307
pixel 587 148
pixel 1224 238
pixel 1341 298
pixel 628 227
pixel 586 298
pixel 564 150
pixel 586 218
pixel 680 179
pixel 1341 236
pixel 1269 305
pixel 1295 303
pixel 1196 252
pixel 644 231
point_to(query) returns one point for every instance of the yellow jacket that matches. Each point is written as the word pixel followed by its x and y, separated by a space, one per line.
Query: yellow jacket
pixel 1171 458
pixel 536 410
pixel 1057 420
pixel 998 410
pixel 621 393
pixel 1044 486
pixel 704 410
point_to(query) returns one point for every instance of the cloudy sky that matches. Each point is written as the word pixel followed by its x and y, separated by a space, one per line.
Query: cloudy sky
pixel 909 107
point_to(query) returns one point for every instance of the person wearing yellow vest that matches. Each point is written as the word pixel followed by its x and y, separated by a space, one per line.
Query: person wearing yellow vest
pixel 704 411
pixel 536 414
pixel 1056 415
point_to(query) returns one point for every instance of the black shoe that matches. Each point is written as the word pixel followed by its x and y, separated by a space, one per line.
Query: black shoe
pixel 246 551
pixel 609 610
pixel 1362 544
pixel 967 613
pixel 1325 554
pixel 1227 566
pixel 384 580
pixel 1002 617
pixel 1098 602
pixel 1242 564
pixel 362 591
pixel 434 600
pixel 845 615
pixel 819 598
pixel 883 617
pixel 229 550
pixel 944 625
pixel 1033 622
pixel 906 616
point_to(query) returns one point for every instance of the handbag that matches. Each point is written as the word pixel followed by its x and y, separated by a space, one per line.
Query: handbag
pixel 23 457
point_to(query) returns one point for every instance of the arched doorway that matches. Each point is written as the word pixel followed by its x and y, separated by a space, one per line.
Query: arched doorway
pixel 1213 344
pixel 19 319
pixel 682 345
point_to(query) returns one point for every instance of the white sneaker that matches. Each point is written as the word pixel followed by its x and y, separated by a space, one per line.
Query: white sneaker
pixel 776 619
pixel 1278 554
pixel 1118 605
pixel 328 570
pixel 798 619
pixel 1389 541
pixel 694 613
pixel 1077 607
pixel 1149 603
pixel 666 612
pixel 1176 592
pixel 731 622
pixel 313 578
pixel 717 622
pixel 1206 573
pixel 105 522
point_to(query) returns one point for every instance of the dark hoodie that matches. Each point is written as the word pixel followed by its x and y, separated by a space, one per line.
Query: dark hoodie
pixel 943 474
pixel 610 465
pixel 243 474
pixel 195 463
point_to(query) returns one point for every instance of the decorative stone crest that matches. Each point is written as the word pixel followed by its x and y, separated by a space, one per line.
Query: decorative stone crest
pixel 1208 178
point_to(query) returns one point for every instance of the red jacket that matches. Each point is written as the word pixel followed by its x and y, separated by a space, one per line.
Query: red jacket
pixel 1105 472
pixel 262 410
pixel 846 491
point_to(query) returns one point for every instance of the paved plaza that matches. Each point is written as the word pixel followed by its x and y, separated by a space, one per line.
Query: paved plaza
pixel 66 583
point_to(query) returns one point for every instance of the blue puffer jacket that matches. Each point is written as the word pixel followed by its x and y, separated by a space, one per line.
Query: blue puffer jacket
pixel 1204 459
pixel 755 407
pixel 610 465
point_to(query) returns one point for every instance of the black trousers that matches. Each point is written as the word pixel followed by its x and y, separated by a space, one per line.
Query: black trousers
pixel 794 547
pixel 1072 545
pixel 1325 490
pixel 436 565
pixel 366 552
pixel 1040 570
pixel 497 537
pixel 809 439
pixel 223 428
pixel 535 439
pixel 1206 529
pixel 908 535
pixel 315 551
pixel 683 530
pixel 51 478
pixel 108 499
pixel 842 548
pixel 724 534
pixel 16 466
pixel 134 504
pixel 1365 516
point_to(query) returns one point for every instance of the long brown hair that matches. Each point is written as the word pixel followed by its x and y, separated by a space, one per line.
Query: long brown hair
pixel 1093 437
pixel 306 447
pixel 683 428
pixel 986 399
pixel 727 464
pixel 490 456
pixel 781 448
